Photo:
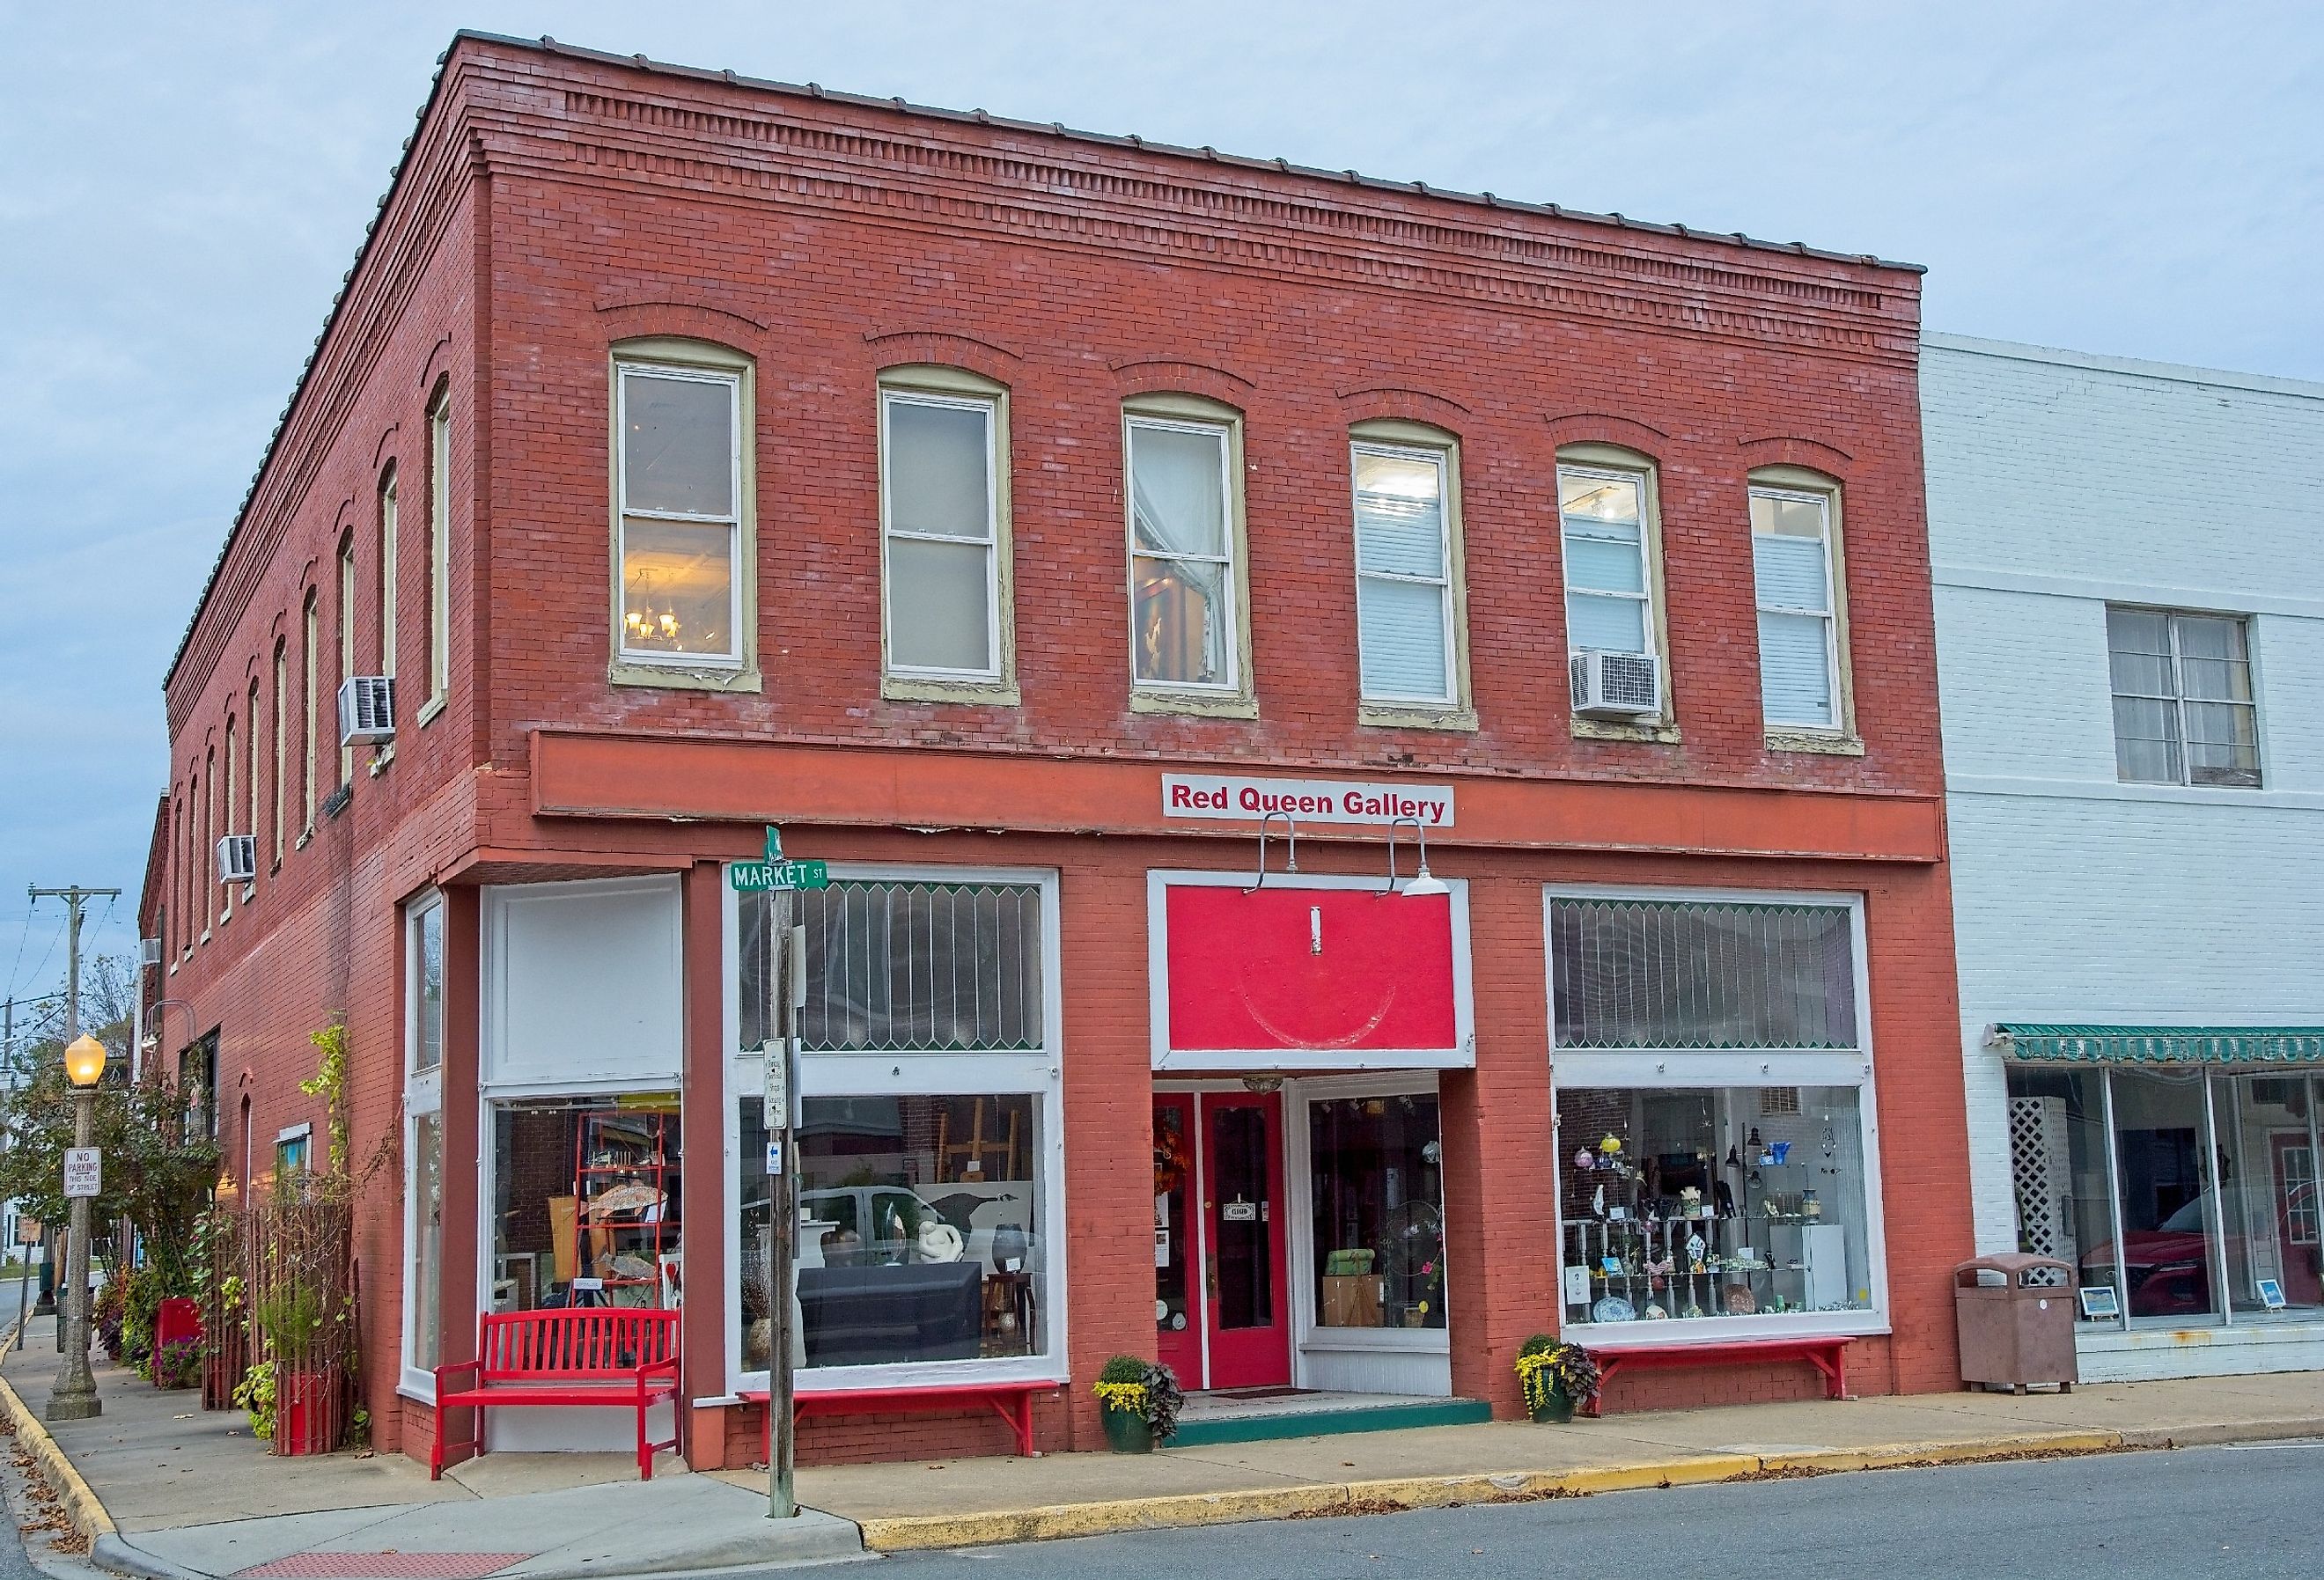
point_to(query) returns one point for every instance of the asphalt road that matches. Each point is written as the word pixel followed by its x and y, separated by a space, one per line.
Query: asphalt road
pixel 2255 1511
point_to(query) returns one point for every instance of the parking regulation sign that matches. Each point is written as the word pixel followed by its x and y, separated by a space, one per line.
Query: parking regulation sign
pixel 84 1171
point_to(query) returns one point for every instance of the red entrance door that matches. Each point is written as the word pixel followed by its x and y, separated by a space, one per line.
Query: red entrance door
pixel 1246 1307
pixel 1222 1310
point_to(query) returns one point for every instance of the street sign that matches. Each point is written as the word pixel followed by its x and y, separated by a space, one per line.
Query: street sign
pixel 29 1231
pixel 84 1172
pixel 775 872
pixel 756 877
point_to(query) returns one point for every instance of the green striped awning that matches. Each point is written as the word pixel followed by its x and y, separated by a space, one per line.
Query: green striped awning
pixel 2196 1045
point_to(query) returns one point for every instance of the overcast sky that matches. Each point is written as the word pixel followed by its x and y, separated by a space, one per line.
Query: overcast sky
pixel 181 186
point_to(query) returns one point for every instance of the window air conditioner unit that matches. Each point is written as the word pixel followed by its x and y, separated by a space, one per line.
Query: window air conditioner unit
pixel 367 711
pixel 237 858
pixel 149 951
pixel 1616 684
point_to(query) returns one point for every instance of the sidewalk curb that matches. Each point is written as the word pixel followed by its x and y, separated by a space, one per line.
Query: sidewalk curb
pixel 1312 1500
pixel 80 1504
pixel 109 1551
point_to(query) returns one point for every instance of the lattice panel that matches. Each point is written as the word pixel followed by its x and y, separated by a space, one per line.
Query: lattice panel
pixel 2040 1165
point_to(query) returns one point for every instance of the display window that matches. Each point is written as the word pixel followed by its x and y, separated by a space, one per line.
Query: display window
pixel 1715 1141
pixel 2191 1193
pixel 585 1194
pixel 1377 1192
pixel 930 1219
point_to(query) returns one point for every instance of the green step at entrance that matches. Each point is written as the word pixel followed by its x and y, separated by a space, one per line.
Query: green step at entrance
pixel 1261 1414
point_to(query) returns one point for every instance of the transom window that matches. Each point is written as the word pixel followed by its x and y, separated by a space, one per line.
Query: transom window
pixel 2183 712
pixel 1799 650
pixel 1404 577
pixel 939 504
pixel 1661 973
pixel 679 491
pixel 1602 521
pixel 1182 572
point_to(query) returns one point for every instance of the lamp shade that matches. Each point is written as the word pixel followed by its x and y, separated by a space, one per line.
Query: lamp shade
pixel 85 1060
pixel 1426 884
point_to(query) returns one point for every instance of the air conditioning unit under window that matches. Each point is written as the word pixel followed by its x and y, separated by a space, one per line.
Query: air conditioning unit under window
pixel 366 710
pixel 1616 684
pixel 237 859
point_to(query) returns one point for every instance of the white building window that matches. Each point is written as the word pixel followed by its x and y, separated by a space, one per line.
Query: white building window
pixel 1715 1133
pixel 679 492
pixel 423 1154
pixel 1404 615
pixel 2183 711
pixel 1184 624
pixel 931 1241
pixel 939 499
pixel 1608 600
pixel 1799 642
pixel 388 572
pixel 439 545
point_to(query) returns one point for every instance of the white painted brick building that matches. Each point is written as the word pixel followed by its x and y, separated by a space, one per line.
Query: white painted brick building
pixel 2059 486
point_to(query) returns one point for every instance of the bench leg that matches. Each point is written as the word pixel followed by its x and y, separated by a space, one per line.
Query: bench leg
pixel 1018 1411
pixel 1606 1370
pixel 1833 1364
pixel 440 1453
pixel 645 1450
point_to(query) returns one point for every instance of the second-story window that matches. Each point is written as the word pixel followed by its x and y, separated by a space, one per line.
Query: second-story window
pixel 387 572
pixel 679 490
pixel 2183 710
pixel 1798 617
pixel 940 511
pixel 1183 632
pixel 1404 576
pixel 1601 516
pixel 439 545
pixel 346 651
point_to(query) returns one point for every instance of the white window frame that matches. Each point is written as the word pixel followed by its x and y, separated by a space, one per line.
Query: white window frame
pixel 439 553
pixel 2170 616
pixel 1689 1069
pixel 389 562
pixel 1837 724
pixel 989 408
pixel 1229 563
pixel 423 1098
pixel 1637 477
pixel 1449 696
pixel 226 825
pixel 736 657
pixel 1039 1074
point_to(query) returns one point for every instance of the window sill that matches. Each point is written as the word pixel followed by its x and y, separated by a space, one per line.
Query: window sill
pixel 1195 704
pixel 1393 715
pixel 971 693
pixel 336 802
pixel 682 677
pixel 306 838
pixel 1814 741
pixel 430 710
pixel 1654 732
pixel 381 758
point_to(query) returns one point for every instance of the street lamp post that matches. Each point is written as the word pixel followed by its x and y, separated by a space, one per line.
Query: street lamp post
pixel 74 1398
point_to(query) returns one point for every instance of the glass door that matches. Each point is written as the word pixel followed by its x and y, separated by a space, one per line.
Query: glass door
pixel 1245 1305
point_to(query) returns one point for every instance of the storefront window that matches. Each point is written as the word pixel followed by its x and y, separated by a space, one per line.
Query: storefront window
pixel 2160 1131
pixel 1690 1203
pixel 1656 974
pixel 927 1173
pixel 586 1194
pixel 1378 1184
pixel 2058 1141
pixel 2268 1158
pixel 426 1240
pixel 920 1230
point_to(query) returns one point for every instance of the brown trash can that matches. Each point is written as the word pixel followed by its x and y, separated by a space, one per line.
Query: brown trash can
pixel 2015 1332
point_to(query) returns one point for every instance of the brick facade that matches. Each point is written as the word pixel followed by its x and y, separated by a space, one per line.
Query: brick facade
pixel 554 203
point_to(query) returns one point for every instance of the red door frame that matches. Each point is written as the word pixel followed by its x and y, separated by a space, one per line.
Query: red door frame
pixel 1204 1354
pixel 1182 1349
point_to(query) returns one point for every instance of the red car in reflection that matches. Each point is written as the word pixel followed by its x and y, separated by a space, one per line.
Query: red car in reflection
pixel 2168 1265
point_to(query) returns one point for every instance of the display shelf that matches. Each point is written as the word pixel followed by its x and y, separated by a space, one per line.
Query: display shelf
pixel 628 1195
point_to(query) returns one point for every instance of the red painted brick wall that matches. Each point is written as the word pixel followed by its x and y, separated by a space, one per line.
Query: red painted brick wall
pixel 553 206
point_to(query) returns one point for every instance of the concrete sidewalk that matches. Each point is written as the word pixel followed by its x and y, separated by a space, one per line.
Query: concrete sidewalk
pixel 167 1490
pixel 162 1488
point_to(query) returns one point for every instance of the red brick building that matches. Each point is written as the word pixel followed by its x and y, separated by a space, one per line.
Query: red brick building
pixel 1012 516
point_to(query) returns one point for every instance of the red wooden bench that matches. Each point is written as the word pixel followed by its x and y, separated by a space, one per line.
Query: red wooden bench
pixel 1013 1400
pixel 608 1355
pixel 1822 1354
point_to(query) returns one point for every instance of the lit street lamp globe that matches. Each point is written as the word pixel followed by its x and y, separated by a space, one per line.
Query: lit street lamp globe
pixel 85 1060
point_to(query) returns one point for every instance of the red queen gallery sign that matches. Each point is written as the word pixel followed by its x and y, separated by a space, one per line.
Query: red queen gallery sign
pixel 1239 799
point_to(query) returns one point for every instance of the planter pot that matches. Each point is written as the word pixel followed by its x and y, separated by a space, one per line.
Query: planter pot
pixel 306 1412
pixel 1126 1431
pixel 1558 1408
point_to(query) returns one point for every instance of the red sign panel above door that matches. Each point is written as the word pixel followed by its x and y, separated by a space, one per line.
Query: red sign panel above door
pixel 1307 974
